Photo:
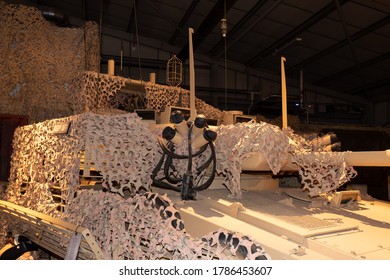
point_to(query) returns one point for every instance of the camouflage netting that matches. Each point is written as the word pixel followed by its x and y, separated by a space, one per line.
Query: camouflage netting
pixel 148 226
pixel 121 147
pixel 320 171
pixel 100 91
pixel 235 142
pixel 39 61
pixel 125 151
pixel 47 157
pixel 160 96
pixel 91 91
pixel 3 186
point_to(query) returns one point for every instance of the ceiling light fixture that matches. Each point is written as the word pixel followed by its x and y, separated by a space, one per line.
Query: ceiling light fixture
pixel 298 39
pixel 224 27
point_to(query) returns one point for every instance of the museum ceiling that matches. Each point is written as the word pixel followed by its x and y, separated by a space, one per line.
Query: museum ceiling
pixel 338 44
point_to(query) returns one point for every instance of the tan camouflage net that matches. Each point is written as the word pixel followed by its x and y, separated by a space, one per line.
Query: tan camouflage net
pixel 125 151
pixel 113 140
pixel 234 142
pixel 237 140
pixel 3 187
pixel 320 172
pixel 148 226
pixel 39 60
pixel 91 91
pixel 41 161
pixel 121 147
pixel 159 97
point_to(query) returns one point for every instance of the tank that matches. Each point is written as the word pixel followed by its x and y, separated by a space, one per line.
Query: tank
pixel 103 183
pixel 84 187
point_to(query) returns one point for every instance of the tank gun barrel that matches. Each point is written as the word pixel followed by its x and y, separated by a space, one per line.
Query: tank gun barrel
pixel 369 158
pixel 257 162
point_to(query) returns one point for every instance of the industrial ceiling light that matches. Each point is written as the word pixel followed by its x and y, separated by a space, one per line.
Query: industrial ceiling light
pixel 224 27
pixel 298 39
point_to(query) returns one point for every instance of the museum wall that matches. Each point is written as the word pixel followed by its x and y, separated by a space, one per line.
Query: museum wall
pixel 39 61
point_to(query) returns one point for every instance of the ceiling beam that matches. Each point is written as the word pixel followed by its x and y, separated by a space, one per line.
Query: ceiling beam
pixel 344 42
pixel 159 12
pixel 217 50
pixel 291 35
pixel 347 71
pixel 371 86
pixel 208 24
pixel 183 21
pixel 351 45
